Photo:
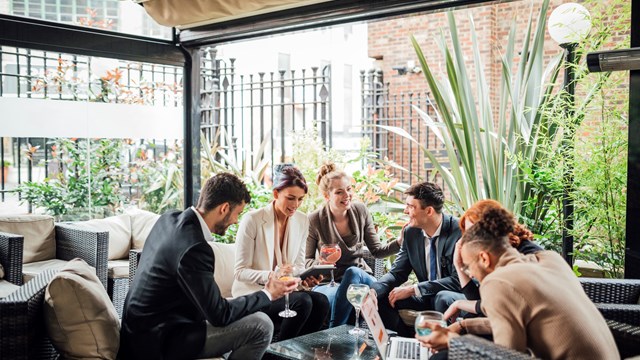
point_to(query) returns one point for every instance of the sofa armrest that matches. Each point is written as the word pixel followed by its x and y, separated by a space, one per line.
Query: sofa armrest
pixel 90 246
pixel 627 338
pixel 134 258
pixel 625 313
pixel 11 248
pixel 472 347
pixel 611 291
pixel 22 324
pixel 376 265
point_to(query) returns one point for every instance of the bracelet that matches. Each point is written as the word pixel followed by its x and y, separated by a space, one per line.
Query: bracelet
pixel 463 330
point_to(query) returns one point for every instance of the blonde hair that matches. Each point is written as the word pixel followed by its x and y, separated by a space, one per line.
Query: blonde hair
pixel 328 171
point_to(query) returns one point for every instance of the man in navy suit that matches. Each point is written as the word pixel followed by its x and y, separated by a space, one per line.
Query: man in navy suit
pixel 174 309
pixel 429 241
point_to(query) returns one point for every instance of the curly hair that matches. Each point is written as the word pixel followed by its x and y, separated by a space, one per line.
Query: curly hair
pixel 474 213
pixel 429 194
pixel 289 176
pixel 328 171
pixel 492 231
pixel 222 188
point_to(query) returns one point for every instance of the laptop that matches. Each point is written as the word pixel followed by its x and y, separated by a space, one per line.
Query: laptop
pixel 391 347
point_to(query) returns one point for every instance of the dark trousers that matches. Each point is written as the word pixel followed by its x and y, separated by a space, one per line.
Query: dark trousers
pixel 391 318
pixel 312 308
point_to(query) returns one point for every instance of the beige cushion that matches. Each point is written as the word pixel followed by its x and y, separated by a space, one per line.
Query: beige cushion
pixel 1 271
pixel 81 321
pixel 38 232
pixel 119 228
pixel 141 224
pixel 6 288
pixel 31 270
pixel 118 269
pixel 225 257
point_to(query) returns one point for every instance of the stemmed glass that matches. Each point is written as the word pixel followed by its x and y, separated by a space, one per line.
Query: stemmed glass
pixel 356 293
pixel 287 273
pixel 330 254
pixel 426 317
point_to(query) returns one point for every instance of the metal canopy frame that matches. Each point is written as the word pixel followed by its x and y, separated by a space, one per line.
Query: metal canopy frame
pixel 313 16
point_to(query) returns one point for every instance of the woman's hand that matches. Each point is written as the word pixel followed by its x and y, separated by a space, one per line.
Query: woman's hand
pixel 401 238
pixel 460 305
pixel 438 339
pixel 312 281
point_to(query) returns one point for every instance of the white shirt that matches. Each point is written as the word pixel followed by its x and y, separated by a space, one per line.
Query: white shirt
pixel 208 237
pixel 427 253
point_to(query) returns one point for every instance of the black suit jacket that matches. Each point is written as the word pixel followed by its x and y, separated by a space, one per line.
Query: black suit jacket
pixel 412 258
pixel 174 292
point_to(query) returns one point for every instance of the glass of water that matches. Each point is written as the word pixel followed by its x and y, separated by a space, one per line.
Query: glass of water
pixel 356 293
pixel 428 317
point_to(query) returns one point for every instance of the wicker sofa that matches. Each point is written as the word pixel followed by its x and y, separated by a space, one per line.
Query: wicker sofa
pixel 49 245
pixel 619 302
pixel 126 232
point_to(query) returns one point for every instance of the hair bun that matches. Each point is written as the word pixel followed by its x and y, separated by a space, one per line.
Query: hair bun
pixel 497 222
pixel 325 169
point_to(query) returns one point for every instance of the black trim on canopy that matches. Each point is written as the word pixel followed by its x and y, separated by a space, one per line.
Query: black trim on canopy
pixel 312 16
pixel 50 36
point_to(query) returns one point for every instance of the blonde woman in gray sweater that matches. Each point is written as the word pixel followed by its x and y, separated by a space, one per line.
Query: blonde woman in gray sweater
pixel 348 224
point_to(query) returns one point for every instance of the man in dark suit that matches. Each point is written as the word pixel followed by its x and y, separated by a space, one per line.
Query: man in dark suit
pixel 429 241
pixel 174 309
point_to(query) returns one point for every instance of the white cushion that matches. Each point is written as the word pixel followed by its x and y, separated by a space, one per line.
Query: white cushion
pixel 141 224
pixel 7 288
pixel 31 270
pixel 119 228
pixel 117 269
pixel 225 257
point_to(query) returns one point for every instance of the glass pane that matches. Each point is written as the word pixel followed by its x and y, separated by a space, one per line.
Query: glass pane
pixel 121 16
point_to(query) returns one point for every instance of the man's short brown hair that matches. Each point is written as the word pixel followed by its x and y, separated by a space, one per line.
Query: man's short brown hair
pixel 222 188
pixel 429 194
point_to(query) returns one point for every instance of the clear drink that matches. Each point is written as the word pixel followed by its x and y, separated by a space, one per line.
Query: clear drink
pixel 356 293
pixel 428 317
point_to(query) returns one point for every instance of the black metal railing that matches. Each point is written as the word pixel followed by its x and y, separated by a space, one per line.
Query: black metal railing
pixel 382 106
pixel 52 75
pixel 258 111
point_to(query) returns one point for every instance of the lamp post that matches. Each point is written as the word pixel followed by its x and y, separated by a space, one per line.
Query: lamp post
pixel 569 24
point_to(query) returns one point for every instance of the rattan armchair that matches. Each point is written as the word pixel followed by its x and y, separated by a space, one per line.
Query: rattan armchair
pixel 90 246
pixel 471 347
pixel 22 328
pixel 11 247
pixel 617 299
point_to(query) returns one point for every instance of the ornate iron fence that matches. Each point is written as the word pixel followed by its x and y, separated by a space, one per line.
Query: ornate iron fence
pixel 382 106
pixel 251 115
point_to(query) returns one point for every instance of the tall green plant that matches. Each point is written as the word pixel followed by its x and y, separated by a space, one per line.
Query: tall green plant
pixel 478 139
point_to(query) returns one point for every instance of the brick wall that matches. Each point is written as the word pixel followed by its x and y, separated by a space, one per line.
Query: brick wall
pixel 389 43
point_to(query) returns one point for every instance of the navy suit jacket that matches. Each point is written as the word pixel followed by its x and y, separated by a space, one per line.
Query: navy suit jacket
pixel 174 292
pixel 412 257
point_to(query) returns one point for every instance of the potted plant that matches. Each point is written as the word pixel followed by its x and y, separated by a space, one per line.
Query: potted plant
pixel 5 170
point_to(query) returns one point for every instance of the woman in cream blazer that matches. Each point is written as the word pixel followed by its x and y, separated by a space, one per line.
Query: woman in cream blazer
pixel 272 236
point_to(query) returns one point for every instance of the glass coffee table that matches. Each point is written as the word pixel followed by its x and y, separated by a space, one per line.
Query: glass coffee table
pixel 334 343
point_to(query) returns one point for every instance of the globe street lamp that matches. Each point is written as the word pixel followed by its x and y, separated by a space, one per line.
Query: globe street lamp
pixel 569 24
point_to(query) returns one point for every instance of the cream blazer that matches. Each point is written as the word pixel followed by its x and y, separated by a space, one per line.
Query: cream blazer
pixel 255 247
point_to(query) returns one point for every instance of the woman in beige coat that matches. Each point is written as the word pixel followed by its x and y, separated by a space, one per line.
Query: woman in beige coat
pixel 274 236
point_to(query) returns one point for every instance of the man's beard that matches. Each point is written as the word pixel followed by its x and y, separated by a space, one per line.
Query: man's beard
pixel 221 227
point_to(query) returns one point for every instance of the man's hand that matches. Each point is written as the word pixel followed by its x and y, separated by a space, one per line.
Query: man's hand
pixel 438 339
pixel 400 293
pixel 312 281
pixel 278 288
pixel 460 305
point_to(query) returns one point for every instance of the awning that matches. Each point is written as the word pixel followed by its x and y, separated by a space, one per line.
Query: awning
pixel 184 14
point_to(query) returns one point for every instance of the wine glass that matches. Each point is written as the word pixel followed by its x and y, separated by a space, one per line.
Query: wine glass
pixel 287 273
pixel 330 254
pixel 426 317
pixel 356 293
